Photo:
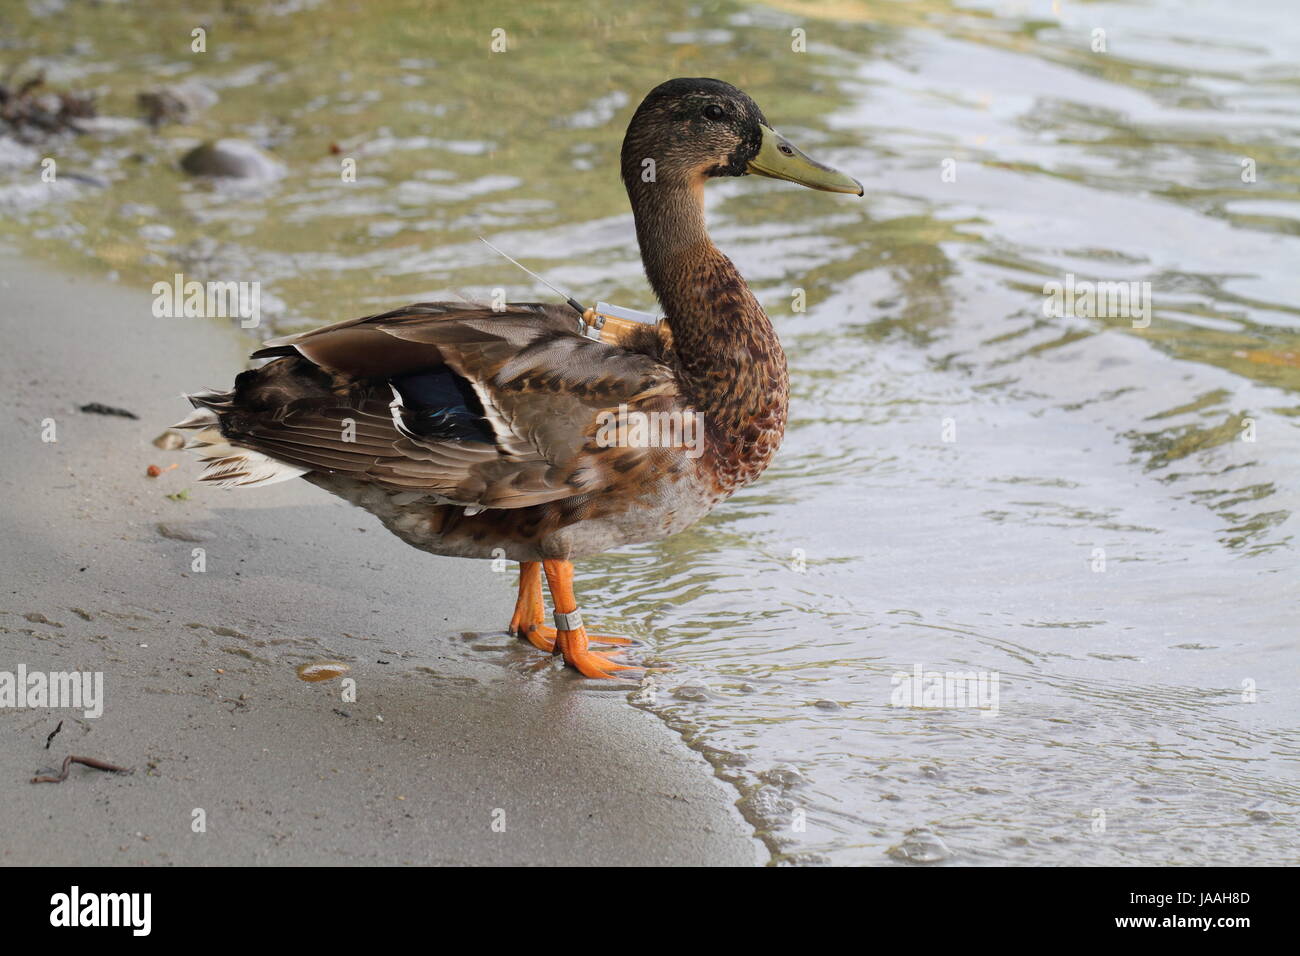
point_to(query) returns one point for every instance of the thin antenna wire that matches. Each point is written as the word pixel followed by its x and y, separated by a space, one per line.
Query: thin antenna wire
pixel 573 303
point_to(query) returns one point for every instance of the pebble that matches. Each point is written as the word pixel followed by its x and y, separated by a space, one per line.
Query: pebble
pixel 231 159
pixel 316 671
pixel 920 846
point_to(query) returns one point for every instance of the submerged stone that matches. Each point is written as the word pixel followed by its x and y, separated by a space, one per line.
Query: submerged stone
pixel 231 159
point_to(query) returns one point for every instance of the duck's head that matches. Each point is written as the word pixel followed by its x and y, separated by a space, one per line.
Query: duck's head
pixel 689 130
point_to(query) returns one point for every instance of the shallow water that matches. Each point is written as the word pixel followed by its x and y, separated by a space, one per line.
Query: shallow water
pixel 967 484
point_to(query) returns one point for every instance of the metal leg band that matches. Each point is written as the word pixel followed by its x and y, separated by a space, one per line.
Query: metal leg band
pixel 569 621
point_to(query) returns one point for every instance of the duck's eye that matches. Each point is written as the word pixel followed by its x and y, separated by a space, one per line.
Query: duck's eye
pixel 714 112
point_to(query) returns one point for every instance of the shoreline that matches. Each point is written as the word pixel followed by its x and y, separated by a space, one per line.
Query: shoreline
pixel 463 746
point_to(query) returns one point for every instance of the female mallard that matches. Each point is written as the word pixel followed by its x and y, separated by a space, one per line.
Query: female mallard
pixel 475 432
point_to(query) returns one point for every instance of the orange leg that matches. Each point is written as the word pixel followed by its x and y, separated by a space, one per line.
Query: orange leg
pixel 530 612
pixel 573 643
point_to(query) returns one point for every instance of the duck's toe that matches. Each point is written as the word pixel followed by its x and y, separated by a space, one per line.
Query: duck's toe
pixel 540 636
pixel 589 663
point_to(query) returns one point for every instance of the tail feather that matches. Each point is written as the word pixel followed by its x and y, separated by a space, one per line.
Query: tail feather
pixel 228 465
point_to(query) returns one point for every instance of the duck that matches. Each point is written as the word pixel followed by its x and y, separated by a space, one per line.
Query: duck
pixel 513 432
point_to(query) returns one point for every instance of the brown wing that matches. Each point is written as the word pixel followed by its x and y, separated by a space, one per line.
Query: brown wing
pixel 368 398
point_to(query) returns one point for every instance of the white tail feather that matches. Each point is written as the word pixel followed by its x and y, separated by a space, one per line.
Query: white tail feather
pixel 231 466
pixel 201 417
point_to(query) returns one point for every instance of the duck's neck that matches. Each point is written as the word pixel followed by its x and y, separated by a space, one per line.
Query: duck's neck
pixel 730 364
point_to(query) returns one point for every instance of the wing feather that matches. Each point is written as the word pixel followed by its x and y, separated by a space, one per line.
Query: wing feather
pixel 326 403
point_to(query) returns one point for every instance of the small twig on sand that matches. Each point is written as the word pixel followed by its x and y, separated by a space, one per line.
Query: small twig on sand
pixel 86 761
pixel 53 734
pixel 99 408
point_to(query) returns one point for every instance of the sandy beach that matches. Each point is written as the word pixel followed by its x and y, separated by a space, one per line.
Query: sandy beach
pixel 462 747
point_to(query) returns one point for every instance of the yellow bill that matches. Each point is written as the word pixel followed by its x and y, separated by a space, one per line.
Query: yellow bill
pixel 778 158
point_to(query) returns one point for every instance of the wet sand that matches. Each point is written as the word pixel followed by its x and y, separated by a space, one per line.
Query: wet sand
pixel 455 727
